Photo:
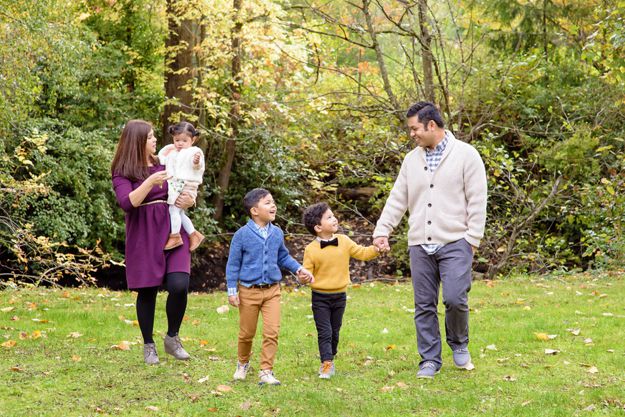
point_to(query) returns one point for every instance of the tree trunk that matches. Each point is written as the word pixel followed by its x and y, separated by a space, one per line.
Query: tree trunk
pixel 381 63
pixel 426 51
pixel 178 66
pixel 235 111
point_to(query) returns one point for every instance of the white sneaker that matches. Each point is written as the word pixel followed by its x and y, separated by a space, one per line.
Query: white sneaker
pixel 326 370
pixel 241 372
pixel 266 377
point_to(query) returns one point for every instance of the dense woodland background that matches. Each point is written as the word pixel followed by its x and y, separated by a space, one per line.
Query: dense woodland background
pixel 307 98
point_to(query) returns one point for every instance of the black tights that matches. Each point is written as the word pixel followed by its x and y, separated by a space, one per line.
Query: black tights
pixel 177 285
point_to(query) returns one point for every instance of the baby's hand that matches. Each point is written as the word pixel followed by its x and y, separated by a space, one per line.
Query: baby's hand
pixel 196 159
pixel 234 300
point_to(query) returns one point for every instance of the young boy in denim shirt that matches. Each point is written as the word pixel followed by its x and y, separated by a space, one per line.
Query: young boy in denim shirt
pixel 327 257
pixel 257 253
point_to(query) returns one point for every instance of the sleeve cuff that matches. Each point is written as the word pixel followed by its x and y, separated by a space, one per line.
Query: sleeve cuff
pixel 232 291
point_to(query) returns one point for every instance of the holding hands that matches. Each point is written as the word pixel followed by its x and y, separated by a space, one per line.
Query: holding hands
pixel 304 276
pixel 381 242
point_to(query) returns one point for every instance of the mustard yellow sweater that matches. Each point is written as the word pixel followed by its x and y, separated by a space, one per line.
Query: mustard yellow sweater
pixel 330 265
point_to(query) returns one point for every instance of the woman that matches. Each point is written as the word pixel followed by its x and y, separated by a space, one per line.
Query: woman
pixel 141 189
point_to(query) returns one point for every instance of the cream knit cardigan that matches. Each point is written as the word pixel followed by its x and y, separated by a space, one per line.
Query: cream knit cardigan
pixel 444 206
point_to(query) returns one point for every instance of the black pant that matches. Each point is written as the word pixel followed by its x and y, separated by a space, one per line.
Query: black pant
pixel 328 311
pixel 177 285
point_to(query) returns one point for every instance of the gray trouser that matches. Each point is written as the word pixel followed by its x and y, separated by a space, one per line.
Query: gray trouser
pixel 451 265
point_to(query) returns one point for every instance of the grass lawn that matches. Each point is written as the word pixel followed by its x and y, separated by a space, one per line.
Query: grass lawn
pixel 57 355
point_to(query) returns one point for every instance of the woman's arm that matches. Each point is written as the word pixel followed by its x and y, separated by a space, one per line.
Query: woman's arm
pixel 138 195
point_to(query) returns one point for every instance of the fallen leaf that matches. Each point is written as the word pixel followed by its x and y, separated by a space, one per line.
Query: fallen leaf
pixel 527 308
pixel 509 378
pixel 542 336
pixel 402 385
pixel 151 408
pixel 574 332
pixel 593 370
pixel 203 342
pixel 195 322
pixel 40 320
pixel 551 351
pixel 16 368
pixel 212 410
pixel 591 407
pixel 36 334
pixel 31 306
pixel 7 309
pixel 384 331
pixel 386 388
pixel 224 388
pixel 76 358
pixel 15 318
pixel 491 347
pixel 223 309
pixel 9 344
pixel 607 314
pixel 588 340
pixel 23 336
pixel 246 406
pixel 123 345
pixel 74 335
pixel 610 350
pixel 389 347
pixel 202 380
pixel 526 403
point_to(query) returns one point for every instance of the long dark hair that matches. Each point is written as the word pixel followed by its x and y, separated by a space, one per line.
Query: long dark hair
pixel 131 156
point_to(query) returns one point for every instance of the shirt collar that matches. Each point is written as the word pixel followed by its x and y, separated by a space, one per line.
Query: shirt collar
pixel 440 148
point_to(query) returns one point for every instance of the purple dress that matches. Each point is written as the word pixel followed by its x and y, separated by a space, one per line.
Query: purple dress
pixel 147 230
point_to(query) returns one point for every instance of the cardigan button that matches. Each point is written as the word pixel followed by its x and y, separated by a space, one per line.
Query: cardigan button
pixel 429 238
pixel 429 204
pixel 425 168
pixel 429 221
pixel 431 185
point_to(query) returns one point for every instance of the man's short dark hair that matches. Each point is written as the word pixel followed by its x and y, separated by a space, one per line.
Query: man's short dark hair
pixel 252 198
pixel 313 215
pixel 426 111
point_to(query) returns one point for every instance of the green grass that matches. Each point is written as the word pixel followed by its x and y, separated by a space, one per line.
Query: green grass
pixel 57 374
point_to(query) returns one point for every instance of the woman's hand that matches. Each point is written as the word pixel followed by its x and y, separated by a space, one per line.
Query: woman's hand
pixel 158 178
pixel 184 201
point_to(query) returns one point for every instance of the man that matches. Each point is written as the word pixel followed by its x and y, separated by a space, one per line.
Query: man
pixel 442 183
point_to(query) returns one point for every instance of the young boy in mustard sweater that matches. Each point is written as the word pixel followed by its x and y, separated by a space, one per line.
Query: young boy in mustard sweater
pixel 327 258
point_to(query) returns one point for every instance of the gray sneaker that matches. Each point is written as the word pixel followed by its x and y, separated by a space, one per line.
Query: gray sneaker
pixel 174 347
pixel 462 359
pixel 427 370
pixel 149 354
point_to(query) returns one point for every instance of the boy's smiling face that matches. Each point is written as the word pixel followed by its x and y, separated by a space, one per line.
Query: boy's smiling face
pixel 328 224
pixel 265 210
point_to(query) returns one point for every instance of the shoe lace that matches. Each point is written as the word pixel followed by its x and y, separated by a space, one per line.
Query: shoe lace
pixel 326 367
pixel 428 365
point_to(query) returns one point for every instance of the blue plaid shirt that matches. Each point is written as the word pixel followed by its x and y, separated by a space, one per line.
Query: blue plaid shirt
pixel 261 230
pixel 433 158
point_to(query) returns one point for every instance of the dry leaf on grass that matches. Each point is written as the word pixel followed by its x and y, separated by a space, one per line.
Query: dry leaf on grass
pixel 151 408
pixel 9 344
pixel 123 345
pixel 223 309
pixel 202 380
pixel 76 358
pixel 574 332
pixel 491 347
pixel 593 370
pixel 551 351
pixel 389 347
pixel 509 378
pixel 7 309
pixel 224 388
pixel 74 335
pixel 545 337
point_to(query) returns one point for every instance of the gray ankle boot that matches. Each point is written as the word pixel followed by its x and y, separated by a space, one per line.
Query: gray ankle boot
pixel 174 348
pixel 149 354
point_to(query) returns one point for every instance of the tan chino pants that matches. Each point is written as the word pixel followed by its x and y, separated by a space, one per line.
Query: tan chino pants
pixel 253 301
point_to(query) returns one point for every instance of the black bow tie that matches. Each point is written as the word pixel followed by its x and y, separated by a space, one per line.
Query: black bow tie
pixel 332 242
